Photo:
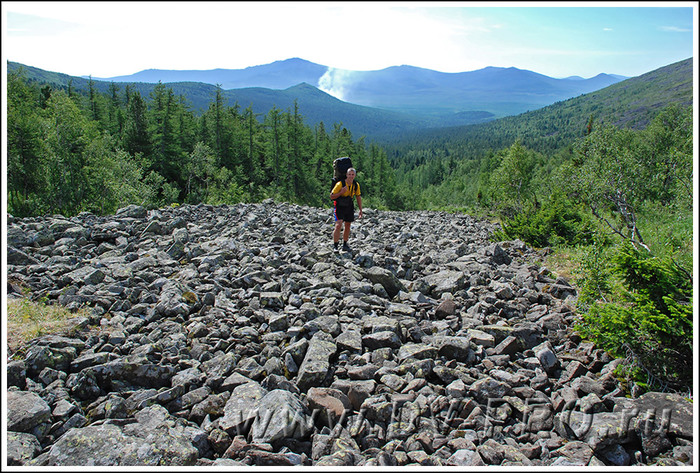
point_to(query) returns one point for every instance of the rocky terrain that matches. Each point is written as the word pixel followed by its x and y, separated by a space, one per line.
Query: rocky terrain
pixel 234 335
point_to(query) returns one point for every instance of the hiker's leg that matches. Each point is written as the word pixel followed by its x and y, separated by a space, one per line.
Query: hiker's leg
pixel 346 231
pixel 336 230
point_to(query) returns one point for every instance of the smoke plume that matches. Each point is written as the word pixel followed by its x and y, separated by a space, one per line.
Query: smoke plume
pixel 336 82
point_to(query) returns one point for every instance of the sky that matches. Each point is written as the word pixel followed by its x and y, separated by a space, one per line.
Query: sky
pixel 108 39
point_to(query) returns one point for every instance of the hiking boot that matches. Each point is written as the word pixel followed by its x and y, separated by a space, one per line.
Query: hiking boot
pixel 346 247
pixel 335 245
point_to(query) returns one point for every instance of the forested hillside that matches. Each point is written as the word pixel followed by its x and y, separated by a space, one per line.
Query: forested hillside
pixel 70 152
pixel 377 104
pixel 429 157
pixel 315 105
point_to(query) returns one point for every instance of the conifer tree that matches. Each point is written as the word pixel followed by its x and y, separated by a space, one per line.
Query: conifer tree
pixel 136 139
pixel 25 149
pixel 67 135
pixel 166 157
pixel 274 130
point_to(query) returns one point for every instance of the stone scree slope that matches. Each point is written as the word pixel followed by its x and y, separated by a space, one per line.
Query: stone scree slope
pixel 234 335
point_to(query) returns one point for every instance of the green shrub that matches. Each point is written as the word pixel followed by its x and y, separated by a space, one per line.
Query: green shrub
pixel 648 316
pixel 661 343
pixel 559 222
pixel 654 278
pixel 594 278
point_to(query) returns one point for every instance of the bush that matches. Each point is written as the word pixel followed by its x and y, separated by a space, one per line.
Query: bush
pixel 559 222
pixel 650 320
pixel 655 279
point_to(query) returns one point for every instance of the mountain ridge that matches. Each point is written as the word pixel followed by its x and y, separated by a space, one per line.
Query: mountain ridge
pixel 303 62
pixel 502 91
pixel 317 106
pixel 628 104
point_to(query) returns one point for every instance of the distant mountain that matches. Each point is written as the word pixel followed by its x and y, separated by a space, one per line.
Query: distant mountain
pixel 629 103
pixel 314 105
pixel 632 104
pixel 421 92
pixel 277 75
pixel 317 106
pixel 500 91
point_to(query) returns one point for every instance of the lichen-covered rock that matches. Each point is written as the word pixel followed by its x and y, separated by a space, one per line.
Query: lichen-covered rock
pixel 241 408
pixel 316 365
pixel 25 411
pixel 667 412
pixel 21 447
pixel 598 430
pixel 154 440
pixel 281 415
pixel 391 284
pixel 17 374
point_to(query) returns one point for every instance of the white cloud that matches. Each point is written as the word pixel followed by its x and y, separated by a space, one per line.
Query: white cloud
pixel 675 29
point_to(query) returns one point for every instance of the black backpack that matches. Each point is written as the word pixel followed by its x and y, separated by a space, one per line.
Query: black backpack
pixel 340 169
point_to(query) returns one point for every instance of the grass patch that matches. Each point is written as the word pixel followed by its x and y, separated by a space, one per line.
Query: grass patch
pixel 669 233
pixel 563 262
pixel 27 320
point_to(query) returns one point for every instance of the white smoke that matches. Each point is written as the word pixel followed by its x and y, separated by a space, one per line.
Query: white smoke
pixel 336 82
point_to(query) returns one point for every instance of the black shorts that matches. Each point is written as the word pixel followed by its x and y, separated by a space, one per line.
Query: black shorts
pixel 344 213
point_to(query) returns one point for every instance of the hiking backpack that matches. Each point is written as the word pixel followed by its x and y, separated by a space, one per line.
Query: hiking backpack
pixel 340 168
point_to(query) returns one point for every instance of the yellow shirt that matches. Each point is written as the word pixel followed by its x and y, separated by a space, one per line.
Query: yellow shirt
pixel 348 193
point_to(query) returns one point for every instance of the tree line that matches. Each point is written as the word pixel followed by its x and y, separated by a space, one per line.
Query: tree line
pixel 71 152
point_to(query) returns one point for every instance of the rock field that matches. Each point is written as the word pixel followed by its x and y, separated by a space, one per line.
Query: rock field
pixel 235 335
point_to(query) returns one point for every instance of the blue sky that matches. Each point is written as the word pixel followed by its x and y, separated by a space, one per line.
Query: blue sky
pixel 106 39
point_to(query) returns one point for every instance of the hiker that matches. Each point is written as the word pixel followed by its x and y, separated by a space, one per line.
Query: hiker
pixel 344 210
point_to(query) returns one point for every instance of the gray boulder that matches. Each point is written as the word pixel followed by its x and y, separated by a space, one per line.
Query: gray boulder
pixel 154 440
pixel 25 411
pixel 315 368
pixel 242 408
pixel 21 447
pixel 281 415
